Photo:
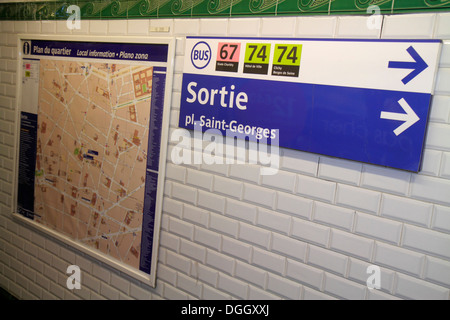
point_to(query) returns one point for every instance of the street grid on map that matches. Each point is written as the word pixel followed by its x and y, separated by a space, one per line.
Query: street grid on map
pixel 92 152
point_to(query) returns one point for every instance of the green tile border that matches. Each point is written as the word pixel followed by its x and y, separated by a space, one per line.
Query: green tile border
pixel 153 9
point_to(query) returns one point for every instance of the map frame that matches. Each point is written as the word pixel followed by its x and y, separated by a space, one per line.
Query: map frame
pixel 147 277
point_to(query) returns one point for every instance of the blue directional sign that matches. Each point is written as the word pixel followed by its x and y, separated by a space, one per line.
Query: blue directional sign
pixel 363 100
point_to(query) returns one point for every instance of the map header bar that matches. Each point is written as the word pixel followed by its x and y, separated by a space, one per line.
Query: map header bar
pixel 96 50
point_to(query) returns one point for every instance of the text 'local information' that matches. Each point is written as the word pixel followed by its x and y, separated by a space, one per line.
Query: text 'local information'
pixel 363 100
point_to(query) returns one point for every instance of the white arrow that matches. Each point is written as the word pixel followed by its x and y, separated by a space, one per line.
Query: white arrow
pixel 409 118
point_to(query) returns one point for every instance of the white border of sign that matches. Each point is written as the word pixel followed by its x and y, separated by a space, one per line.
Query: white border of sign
pixel 134 273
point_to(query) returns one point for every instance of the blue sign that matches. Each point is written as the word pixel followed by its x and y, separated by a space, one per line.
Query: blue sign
pixel 347 113
pixel 97 50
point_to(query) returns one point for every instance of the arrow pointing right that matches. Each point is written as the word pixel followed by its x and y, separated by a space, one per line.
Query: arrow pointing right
pixel 409 118
pixel 418 65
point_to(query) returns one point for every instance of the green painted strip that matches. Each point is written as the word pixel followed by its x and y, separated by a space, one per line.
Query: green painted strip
pixel 151 9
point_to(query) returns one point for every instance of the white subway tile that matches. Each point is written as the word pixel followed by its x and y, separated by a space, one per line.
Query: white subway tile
pixel 298 161
pixel 351 244
pixel 431 162
pixel 332 215
pixel 184 193
pixel 244 27
pixel 101 273
pixel 269 260
pixel 445 54
pixel 443 81
pixel 98 27
pixel 404 209
pixel 430 189
pixel 178 68
pixel 358 198
pixel 109 292
pixel 400 259
pixel 294 204
pixel 217 168
pixel 273 220
pixel 169 241
pixel 214 294
pixel 416 289
pixel 172 293
pixel 214 27
pixel 88 281
pixel 284 287
pixel 228 186
pixel 186 27
pixel 211 201
pixel 220 261
pixel 173 207
pixel 117 27
pixel 178 262
pixel 440 109
pixel 199 179
pixel 310 232
pixel 441 219
pixel 139 293
pixel 327 260
pixel 62 28
pixel 236 248
pixel 250 274
pixel 196 215
pixel 190 285
pixel 445 169
pixel 343 288
pixel 356 27
pixel 241 210
pixel 138 26
pixel 340 170
pixel 207 275
pixel 385 179
pixel 414 26
pixel 84 28
pixel 181 228
pixel 259 195
pixel 289 247
pixel 207 238
pixel 378 295
pixel 33 26
pixel 248 172
pixel 310 294
pixel 305 274
pixel 223 224
pixel 255 235
pixel 255 293
pixel 378 228
pixel 442 29
pixel 429 241
pixel 282 180
pixel 175 172
pixel 274 27
pixel 316 188
pixel 193 251
pixel 236 287
pixel 316 27
pixel 437 270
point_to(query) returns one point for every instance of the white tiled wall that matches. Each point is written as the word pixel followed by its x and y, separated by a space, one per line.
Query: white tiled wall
pixel 309 232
